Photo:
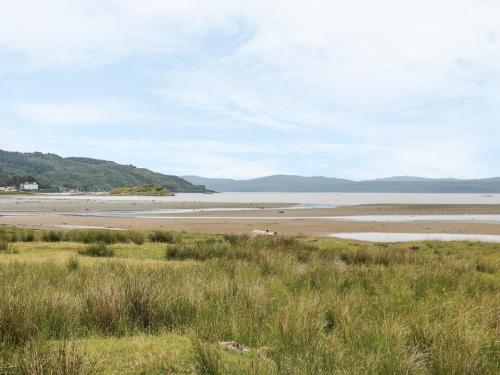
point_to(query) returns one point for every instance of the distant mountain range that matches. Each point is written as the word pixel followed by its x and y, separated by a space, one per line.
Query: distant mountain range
pixel 53 172
pixel 399 184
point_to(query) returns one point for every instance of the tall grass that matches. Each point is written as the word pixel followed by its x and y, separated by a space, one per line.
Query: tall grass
pixel 300 308
pixel 4 246
pixel 26 236
pixel 104 236
pixel 207 359
pixel 77 235
pixel 73 263
pixel 52 236
pixel 38 359
pixel 197 251
pixel 162 236
pixel 97 250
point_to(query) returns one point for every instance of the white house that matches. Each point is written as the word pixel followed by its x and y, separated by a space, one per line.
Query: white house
pixel 30 186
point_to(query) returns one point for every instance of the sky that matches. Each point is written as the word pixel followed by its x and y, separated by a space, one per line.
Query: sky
pixel 240 89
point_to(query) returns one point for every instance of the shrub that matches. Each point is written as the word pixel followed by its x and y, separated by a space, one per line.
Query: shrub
pixel 97 250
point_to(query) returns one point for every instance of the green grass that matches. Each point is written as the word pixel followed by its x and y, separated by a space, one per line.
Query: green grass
pixel 162 236
pixel 300 306
pixel 87 236
pixel 97 250
pixel 4 246
pixel 15 193
pixel 146 190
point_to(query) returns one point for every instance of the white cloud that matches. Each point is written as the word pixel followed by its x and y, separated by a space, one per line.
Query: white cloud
pixel 12 140
pixel 186 157
pixel 95 32
pixel 380 88
pixel 89 112
pixel 344 66
pixel 409 154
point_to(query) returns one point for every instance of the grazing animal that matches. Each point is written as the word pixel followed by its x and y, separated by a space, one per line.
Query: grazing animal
pixel 267 232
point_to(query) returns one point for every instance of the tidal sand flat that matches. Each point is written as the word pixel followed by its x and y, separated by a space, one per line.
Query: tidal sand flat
pixel 240 213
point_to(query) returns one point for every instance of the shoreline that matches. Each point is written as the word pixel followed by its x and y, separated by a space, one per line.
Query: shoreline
pixel 242 226
pixel 240 218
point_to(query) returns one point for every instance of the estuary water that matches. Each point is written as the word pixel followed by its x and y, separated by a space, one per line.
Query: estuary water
pixel 307 199
pixel 410 237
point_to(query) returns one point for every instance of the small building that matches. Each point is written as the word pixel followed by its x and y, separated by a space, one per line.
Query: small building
pixel 8 188
pixel 29 186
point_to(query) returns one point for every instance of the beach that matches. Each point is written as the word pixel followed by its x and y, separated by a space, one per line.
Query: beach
pixel 217 214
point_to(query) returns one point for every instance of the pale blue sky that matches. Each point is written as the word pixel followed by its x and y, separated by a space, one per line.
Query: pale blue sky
pixel 355 89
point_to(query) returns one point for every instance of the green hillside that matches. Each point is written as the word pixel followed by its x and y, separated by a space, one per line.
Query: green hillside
pixel 145 190
pixel 9 178
pixel 53 172
pixel 5 178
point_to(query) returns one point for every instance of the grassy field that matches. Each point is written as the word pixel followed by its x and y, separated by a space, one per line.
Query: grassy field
pixel 84 302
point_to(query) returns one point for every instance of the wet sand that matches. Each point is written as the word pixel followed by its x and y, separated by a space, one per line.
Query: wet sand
pixel 284 218
pixel 43 204
pixel 297 226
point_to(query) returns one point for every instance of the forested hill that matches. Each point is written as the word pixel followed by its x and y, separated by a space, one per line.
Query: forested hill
pixel 52 172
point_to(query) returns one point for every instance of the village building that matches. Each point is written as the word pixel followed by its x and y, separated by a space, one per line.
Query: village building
pixel 8 188
pixel 29 186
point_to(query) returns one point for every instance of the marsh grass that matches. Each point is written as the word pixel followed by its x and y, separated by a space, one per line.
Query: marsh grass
pixel 4 246
pixel 16 235
pixel 86 236
pixel 52 236
pixel 103 236
pixel 7 248
pixel 301 308
pixel 26 236
pixel 197 251
pixel 487 266
pixel 100 249
pixel 8 235
pixel 207 358
pixel 65 359
pixel 73 263
pixel 163 237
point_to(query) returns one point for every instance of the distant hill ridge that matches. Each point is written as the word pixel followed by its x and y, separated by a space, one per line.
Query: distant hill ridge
pixel 84 174
pixel 399 184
